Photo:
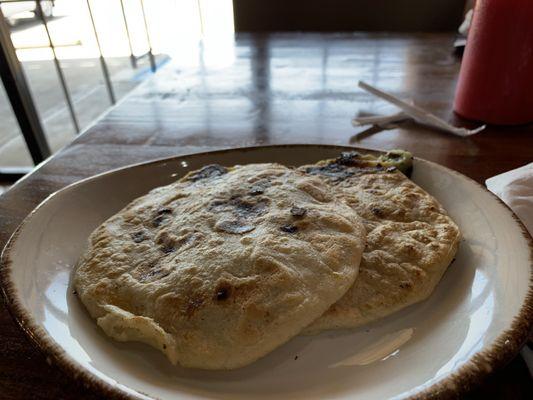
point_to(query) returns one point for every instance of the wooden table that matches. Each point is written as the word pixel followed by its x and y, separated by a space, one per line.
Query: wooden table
pixel 286 88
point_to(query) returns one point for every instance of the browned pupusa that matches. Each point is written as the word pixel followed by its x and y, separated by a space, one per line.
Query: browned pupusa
pixel 410 240
pixel 218 269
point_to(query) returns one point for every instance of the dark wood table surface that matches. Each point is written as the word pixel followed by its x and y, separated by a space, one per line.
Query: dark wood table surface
pixel 265 89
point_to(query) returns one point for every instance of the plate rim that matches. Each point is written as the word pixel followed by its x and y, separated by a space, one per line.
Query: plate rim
pixel 473 372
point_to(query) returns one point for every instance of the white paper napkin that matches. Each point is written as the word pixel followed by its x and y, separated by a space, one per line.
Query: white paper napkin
pixel 515 188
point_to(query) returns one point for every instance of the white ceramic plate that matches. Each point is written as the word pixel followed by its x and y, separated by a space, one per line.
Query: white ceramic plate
pixel 476 319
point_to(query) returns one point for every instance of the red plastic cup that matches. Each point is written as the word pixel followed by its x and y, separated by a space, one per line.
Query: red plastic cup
pixel 496 78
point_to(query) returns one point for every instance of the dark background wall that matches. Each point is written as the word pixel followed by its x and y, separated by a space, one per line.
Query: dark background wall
pixel 347 15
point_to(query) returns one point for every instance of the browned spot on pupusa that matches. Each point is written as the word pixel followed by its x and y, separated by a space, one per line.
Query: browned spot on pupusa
pixel 241 206
pixel 139 236
pixel 242 213
pixel 256 190
pixel 335 171
pixel 298 212
pixel 405 285
pixel 209 171
pixel 348 158
pixel 166 249
pixel 259 187
pixel 378 212
pixel 169 243
pixel 149 272
pixel 193 304
pixel 223 292
pixel 166 241
pixel 247 209
pixel 289 228
pixel 161 216
pixel 235 226
pixel 421 237
pixel 229 289
pixel 348 164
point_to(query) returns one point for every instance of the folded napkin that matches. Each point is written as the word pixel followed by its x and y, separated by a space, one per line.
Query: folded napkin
pixel 515 188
